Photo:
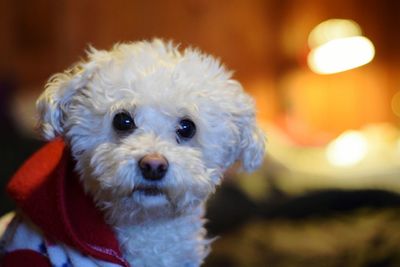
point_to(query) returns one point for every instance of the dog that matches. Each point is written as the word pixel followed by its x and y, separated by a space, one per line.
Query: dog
pixel 139 137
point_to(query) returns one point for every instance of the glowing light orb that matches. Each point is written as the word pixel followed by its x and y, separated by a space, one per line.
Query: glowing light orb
pixel 333 29
pixel 341 55
pixel 348 149
pixel 337 45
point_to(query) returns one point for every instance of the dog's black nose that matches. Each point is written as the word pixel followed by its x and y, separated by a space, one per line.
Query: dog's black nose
pixel 153 166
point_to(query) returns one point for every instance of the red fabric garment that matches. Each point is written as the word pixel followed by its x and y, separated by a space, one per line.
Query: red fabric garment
pixel 21 258
pixel 48 191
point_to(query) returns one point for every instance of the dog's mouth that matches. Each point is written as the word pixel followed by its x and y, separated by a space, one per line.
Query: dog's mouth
pixel 148 190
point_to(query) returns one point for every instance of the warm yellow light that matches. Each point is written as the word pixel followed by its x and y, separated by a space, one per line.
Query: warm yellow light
pixel 348 149
pixel 341 54
pixel 338 45
pixel 333 29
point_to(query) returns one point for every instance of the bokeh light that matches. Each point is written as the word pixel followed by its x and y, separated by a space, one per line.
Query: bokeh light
pixel 337 45
pixel 333 29
pixel 348 149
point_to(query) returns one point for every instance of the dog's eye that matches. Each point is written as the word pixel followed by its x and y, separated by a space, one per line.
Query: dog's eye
pixel 186 129
pixel 123 122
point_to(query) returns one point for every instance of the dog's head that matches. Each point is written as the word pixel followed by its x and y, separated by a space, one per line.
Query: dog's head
pixel 152 129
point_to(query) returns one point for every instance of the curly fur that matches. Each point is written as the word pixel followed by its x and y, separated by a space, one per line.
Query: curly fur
pixel 158 85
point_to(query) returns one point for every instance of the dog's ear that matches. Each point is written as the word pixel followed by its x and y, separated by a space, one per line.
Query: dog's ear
pixel 251 148
pixel 53 104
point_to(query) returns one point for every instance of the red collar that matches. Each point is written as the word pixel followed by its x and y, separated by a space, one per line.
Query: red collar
pixel 49 192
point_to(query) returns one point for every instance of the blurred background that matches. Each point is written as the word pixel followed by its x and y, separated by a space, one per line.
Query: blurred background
pixel 326 79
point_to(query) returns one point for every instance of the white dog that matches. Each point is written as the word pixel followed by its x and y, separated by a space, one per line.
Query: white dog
pixel 150 131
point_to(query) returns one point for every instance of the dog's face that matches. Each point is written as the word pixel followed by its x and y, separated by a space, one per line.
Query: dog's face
pixel 152 129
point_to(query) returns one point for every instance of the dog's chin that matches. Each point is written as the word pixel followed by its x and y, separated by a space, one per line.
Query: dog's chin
pixel 150 196
pixel 147 203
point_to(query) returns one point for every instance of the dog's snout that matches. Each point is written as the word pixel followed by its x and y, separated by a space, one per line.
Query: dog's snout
pixel 153 166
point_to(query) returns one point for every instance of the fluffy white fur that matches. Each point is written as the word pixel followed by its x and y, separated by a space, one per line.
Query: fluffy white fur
pixel 159 86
